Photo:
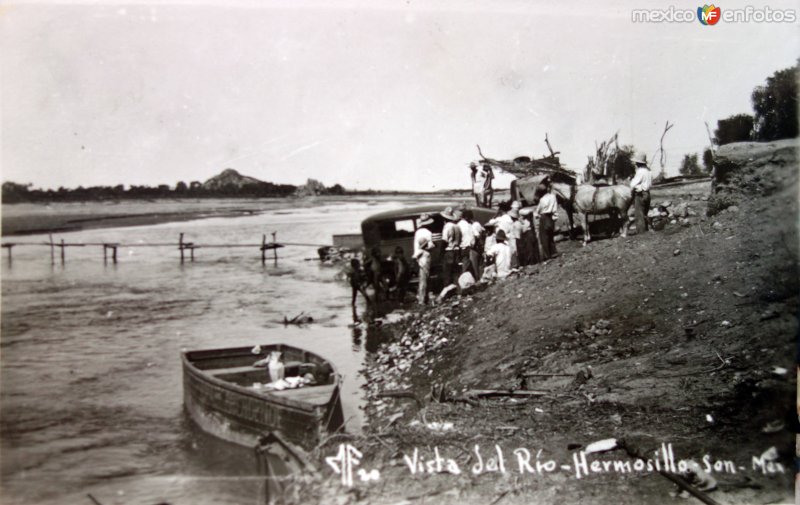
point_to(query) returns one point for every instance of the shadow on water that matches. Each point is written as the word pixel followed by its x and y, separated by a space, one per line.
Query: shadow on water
pixel 368 329
pixel 259 473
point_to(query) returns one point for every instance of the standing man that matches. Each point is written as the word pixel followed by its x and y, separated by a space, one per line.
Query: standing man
pixel 451 235
pixel 547 210
pixel 488 192
pixel 476 252
pixel 477 177
pixel 515 237
pixel 529 240
pixel 467 242
pixel 423 244
pixel 640 185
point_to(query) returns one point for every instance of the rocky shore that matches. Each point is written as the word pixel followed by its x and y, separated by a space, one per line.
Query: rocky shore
pixel 675 343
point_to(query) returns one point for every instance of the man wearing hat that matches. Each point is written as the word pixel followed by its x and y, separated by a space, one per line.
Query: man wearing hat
pixel 547 210
pixel 467 241
pixel 451 235
pixel 477 177
pixel 515 237
pixel 529 242
pixel 488 192
pixel 423 244
pixel 640 186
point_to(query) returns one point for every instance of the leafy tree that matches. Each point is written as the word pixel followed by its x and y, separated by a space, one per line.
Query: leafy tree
pixel 13 192
pixel 622 165
pixel 775 106
pixel 336 189
pixel 181 188
pixel 619 163
pixel 689 165
pixel 738 128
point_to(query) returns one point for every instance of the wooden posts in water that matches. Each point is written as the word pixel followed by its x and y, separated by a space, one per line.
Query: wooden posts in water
pixel 9 247
pixel 113 248
pixel 271 245
pixel 183 246
pixel 274 248
pixel 186 245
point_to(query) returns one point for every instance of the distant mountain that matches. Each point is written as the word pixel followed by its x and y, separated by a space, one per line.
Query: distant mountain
pixel 230 179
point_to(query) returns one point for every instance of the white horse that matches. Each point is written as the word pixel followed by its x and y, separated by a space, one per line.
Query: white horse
pixel 587 199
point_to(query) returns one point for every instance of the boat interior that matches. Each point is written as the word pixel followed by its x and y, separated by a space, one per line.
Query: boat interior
pixel 236 366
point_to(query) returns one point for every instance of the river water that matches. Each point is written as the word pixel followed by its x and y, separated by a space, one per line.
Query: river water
pixel 91 387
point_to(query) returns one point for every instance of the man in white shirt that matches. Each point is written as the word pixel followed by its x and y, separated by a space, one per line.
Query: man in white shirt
pixel 504 222
pixel 547 210
pixel 514 238
pixel 423 244
pixel 451 235
pixel 501 254
pixel 476 251
pixel 478 179
pixel 467 241
pixel 640 185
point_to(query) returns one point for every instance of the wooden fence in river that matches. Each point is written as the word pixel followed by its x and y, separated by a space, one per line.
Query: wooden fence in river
pixel 110 248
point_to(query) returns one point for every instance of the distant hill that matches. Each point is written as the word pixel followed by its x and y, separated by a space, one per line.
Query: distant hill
pixel 231 179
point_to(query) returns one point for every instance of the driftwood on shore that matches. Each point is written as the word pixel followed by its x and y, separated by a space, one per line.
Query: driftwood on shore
pixel 498 393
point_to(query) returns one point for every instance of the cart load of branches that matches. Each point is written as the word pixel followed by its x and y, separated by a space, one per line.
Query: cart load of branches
pixel 525 166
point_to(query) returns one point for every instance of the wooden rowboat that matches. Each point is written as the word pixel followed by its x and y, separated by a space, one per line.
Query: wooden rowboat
pixel 219 395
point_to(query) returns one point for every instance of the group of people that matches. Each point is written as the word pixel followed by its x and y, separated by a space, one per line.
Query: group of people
pixel 372 274
pixel 471 251
pixel 493 250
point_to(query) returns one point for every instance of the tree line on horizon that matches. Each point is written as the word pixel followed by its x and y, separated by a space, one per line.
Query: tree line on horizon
pixel 13 192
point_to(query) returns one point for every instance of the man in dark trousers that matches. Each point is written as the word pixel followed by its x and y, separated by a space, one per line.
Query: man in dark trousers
pixel 547 210
pixel 488 191
pixel 640 186
pixel 451 248
pixel 402 272
pixel 529 240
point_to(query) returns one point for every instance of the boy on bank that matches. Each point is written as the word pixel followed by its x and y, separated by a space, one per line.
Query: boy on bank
pixel 501 253
pixel 357 280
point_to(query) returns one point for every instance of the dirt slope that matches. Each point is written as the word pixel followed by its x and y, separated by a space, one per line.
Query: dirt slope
pixel 681 328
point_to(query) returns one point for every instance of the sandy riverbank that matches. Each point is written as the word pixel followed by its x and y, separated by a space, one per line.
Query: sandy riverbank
pixel 29 218
pixel 689 335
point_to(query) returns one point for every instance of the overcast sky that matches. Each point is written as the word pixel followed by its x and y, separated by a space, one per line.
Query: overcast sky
pixel 368 94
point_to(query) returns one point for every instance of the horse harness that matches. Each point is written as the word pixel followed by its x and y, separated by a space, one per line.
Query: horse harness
pixel 573 192
pixel 594 199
